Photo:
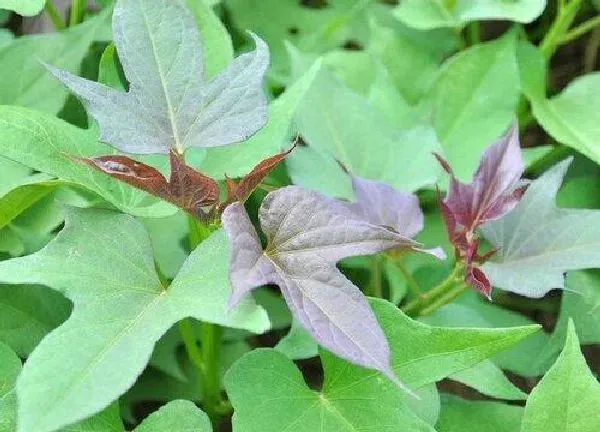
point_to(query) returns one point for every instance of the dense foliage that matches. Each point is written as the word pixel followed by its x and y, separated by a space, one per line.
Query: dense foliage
pixel 282 215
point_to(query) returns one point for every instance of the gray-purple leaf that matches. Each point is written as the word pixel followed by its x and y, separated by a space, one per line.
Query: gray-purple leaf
pixel 169 104
pixel 383 205
pixel 538 242
pixel 307 235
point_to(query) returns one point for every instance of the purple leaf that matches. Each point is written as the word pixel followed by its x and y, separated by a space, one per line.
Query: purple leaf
pixel 495 190
pixel 249 266
pixel 383 205
pixel 491 194
pixel 307 235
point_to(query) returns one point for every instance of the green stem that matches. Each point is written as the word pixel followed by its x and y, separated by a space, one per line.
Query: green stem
pixel 559 28
pixel 207 360
pixel 186 329
pixel 474 32
pixel 411 282
pixel 591 51
pixel 444 299
pixel 211 354
pixel 54 16
pixel 425 300
pixel 77 11
pixel 580 30
pixel 375 283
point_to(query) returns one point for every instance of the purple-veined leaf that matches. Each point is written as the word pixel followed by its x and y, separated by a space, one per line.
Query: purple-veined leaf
pixel 308 234
pixel 494 191
pixel 169 105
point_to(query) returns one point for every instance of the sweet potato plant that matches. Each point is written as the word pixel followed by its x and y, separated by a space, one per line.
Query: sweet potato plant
pixel 285 215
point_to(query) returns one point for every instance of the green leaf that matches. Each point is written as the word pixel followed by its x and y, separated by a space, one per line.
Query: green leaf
pixel 26 82
pixel 312 169
pixel 31 190
pixel 218 52
pixel 298 343
pixel 266 381
pixel 28 313
pixel 311 29
pixel 441 13
pixel 341 124
pixel 422 354
pixel 488 379
pixel 23 7
pixel 460 415
pixel 178 415
pixel 567 397
pixel 411 57
pixel 580 303
pixel 10 367
pixel 169 240
pixel 474 100
pixel 45 143
pixel 538 241
pixel 570 117
pixel 353 397
pixel 238 160
pixel 102 261
pixel 472 311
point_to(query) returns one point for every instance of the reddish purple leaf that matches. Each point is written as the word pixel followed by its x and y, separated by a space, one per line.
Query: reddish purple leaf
pixel 132 172
pixel 240 191
pixel 188 189
pixel 494 191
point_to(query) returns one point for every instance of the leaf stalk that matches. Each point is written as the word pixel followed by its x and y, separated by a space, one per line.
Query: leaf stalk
pixel 54 16
pixel 440 295
pixel 207 357
pixel 558 29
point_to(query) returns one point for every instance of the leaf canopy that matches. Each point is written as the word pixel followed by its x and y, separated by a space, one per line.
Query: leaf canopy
pixel 352 397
